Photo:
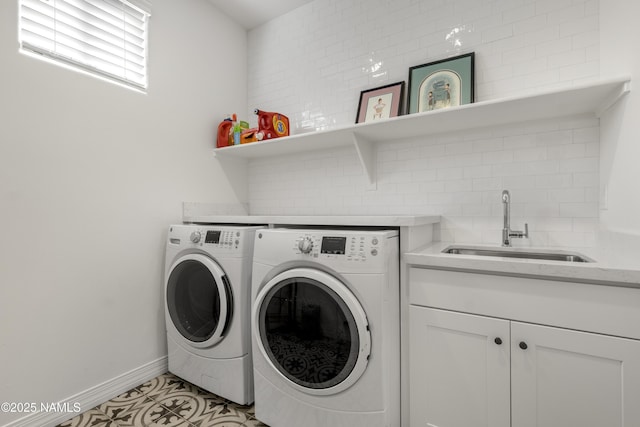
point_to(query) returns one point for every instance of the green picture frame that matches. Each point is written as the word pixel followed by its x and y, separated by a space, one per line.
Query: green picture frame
pixel 441 84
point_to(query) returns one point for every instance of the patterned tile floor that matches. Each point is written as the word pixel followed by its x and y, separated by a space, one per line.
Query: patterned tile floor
pixel 167 401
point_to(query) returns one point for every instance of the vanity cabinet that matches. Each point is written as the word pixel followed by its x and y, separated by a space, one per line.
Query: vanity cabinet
pixel 469 369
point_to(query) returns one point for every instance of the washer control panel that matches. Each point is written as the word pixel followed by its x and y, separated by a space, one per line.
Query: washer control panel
pixel 208 237
pixel 223 238
pixel 352 247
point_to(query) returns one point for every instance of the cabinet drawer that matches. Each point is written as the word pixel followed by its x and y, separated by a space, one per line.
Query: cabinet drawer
pixel 596 308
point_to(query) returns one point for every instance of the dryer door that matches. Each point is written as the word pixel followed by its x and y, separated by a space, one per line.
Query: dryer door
pixel 312 330
pixel 199 300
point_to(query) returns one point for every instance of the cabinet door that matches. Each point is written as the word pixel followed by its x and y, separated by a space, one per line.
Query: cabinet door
pixel 563 378
pixel 459 366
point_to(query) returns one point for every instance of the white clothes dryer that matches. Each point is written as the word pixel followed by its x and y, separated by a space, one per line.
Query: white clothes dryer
pixel 326 328
pixel 207 307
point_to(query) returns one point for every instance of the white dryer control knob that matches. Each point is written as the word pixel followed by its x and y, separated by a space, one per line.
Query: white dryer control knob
pixel 305 245
pixel 196 236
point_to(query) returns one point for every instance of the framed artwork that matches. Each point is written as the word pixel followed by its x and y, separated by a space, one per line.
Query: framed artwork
pixel 441 84
pixel 380 103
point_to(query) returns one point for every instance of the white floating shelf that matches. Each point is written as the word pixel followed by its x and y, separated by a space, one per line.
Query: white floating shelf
pixel 588 99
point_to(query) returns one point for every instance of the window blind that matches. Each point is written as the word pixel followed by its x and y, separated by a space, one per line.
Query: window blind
pixel 106 37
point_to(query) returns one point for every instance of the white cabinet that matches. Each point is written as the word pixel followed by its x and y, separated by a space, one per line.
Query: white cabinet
pixel 565 378
pixel 478 370
pixel 459 377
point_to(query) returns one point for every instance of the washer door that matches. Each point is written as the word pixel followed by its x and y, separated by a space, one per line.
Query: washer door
pixel 312 330
pixel 199 300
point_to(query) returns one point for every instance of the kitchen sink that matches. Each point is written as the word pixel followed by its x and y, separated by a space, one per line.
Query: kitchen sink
pixel 517 253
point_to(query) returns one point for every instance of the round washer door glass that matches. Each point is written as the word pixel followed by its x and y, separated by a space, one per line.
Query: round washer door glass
pixel 313 330
pixel 199 299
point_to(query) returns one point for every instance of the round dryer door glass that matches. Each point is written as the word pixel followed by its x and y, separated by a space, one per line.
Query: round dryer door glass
pixel 309 333
pixel 198 300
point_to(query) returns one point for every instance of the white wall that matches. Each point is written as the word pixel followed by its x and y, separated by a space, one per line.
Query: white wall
pixel 312 64
pixel 620 132
pixel 91 175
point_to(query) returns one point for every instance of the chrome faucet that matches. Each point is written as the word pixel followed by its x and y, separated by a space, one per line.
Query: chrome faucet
pixel 507 232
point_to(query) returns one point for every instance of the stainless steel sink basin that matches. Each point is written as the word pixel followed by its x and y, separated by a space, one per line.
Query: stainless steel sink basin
pixel 517 253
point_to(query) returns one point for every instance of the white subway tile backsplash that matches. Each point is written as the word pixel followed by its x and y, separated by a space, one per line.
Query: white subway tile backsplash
pixel 586 40
pixel 567 14
pixel 592 195
pixel 497 33
pixel 520 141
pixel 444 174
pixel 458 185
pixel 425 176
pixel 560 238
pixel 476 210
pixel 566 151
pixel 518 54
pixel 585 164
pixel 530 154
pixel 577 72
pixel 458 148
pixel 312 64
pixel 466 235
pixel 498 157
pixel 571 195
pixel 519 182
pixel 586 225
pixel 579 25
pixel 554 47
pixel 530 24
pixel 576 56
pixel 587 135
pixel 464 159
pixel 431 187
pixel 564 136
pixel 552 224
pixel 488 184
pixel 579 210
pixel 519 13
pixel 483 171
pixel 562 180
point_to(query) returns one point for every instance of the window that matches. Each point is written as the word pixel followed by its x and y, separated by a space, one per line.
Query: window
pixel 105 37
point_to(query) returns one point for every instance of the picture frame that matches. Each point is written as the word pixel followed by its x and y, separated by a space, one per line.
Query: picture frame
pixel 380 103
pixel 441 84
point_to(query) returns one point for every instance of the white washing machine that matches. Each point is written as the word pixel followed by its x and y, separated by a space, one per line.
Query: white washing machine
pixel 207 307
pixel 326 328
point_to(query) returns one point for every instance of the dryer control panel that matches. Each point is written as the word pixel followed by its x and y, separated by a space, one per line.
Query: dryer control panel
pixel 224 238
pixel 349 247
pixel 212 238
pixel 221 238
pixel 345 251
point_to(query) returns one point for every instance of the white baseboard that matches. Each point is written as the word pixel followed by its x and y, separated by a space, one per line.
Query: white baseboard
pixel 95 395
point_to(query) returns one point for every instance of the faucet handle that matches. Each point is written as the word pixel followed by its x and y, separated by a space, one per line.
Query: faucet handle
pixel 517 233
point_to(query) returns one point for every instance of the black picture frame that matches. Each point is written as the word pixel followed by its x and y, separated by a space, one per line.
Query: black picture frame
pixel 441 84
pixel 389 103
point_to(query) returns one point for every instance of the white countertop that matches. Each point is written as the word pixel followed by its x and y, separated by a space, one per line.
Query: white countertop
pixel 318 220
pixel 616 262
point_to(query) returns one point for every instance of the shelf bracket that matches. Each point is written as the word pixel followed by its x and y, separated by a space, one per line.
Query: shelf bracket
pixel 624 89
pixel 367 156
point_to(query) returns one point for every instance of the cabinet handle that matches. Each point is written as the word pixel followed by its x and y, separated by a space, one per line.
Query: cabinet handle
pixel 498 341
pixel 523 345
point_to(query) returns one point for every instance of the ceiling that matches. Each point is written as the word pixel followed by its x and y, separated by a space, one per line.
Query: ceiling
pixel 253 13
